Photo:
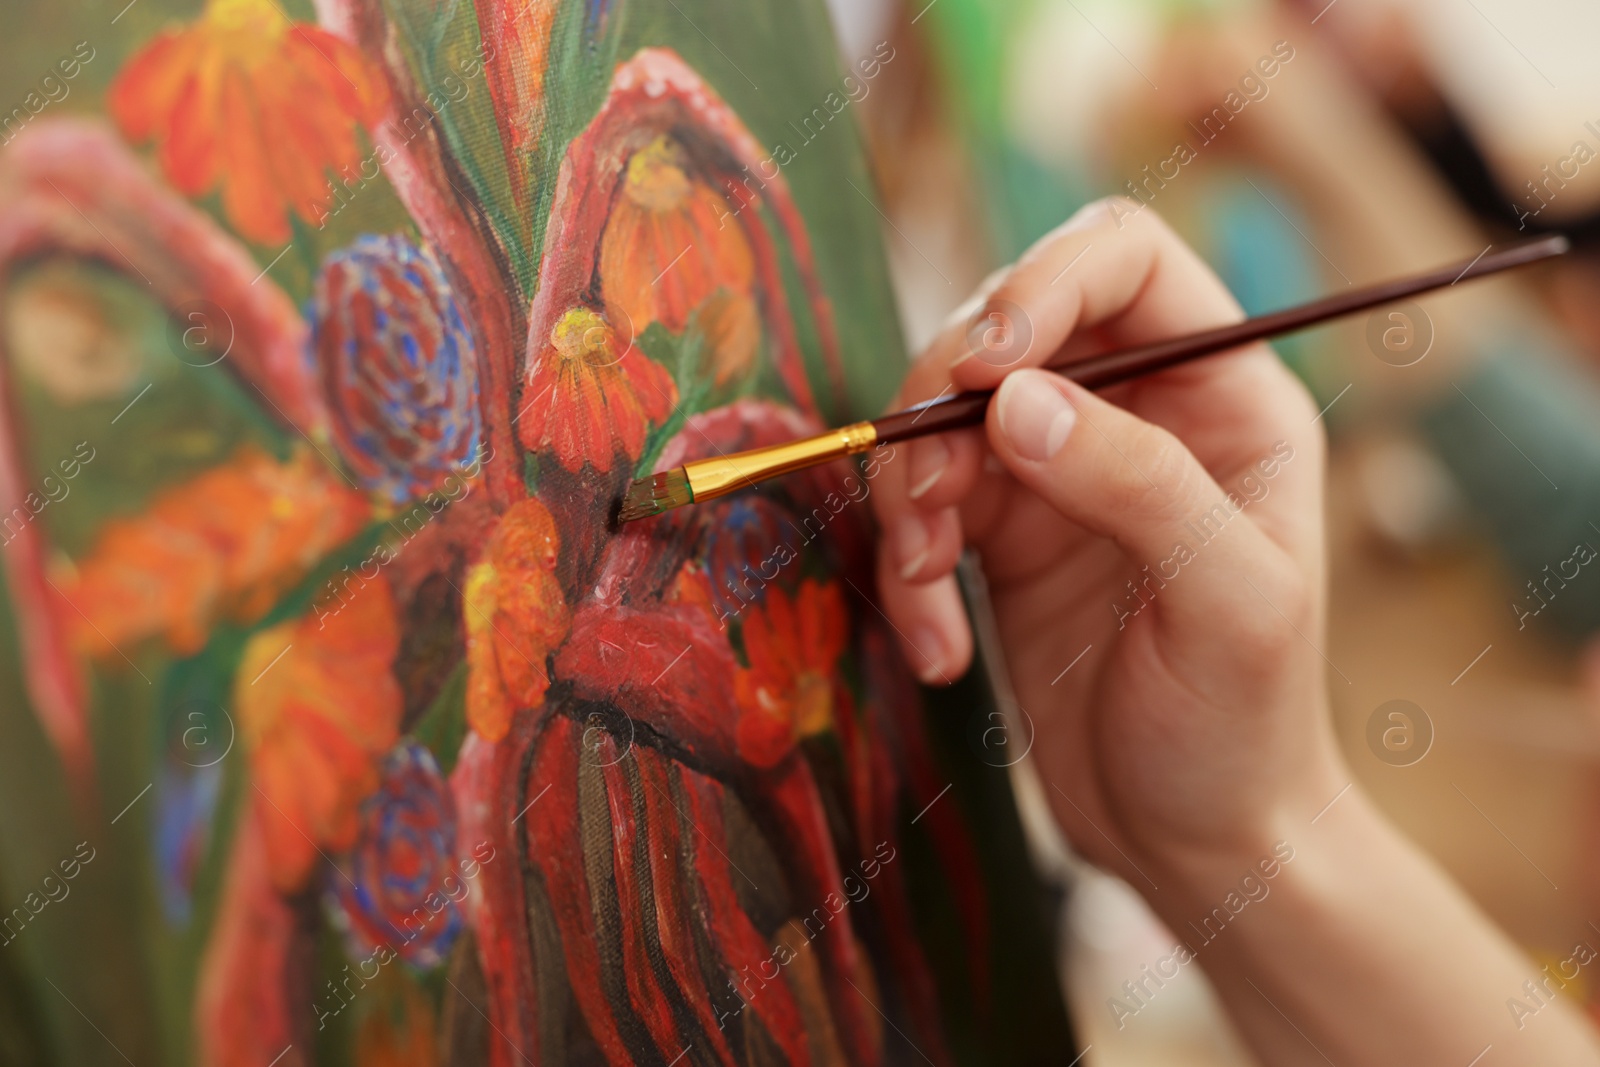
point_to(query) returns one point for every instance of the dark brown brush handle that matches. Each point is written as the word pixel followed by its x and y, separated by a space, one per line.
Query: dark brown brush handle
pixel 967 409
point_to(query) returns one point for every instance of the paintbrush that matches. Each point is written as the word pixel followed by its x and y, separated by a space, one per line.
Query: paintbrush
pixel 706 479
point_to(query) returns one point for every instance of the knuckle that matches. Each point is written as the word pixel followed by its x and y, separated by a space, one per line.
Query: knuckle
pixel 1260 657
pixel 1263 639
pixel 1293 597
pixel 1109 207
pixel 1151 475
pixel 1117 204
pixel 1126 213
pixel 1286 612
pixel 1107 213
pixel 1125 489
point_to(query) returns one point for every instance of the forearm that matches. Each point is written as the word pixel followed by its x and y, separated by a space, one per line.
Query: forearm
pixel 1364 952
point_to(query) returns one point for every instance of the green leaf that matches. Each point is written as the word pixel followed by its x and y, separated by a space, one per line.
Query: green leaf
pixel 442 46
pixel 577 76
pixel 444 725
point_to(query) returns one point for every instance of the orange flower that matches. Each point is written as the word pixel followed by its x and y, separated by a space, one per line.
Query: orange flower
pixel 670 243
pixel 515 614
pixel 227 544
pixel 731 326
pixel 788 690
pixel 245 99
pixel 318 705
pixel 589 398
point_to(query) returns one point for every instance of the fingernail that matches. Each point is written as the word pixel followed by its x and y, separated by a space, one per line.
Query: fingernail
pixel 1035 416
pixel 911 544
pixel 927 656
pixel 929 458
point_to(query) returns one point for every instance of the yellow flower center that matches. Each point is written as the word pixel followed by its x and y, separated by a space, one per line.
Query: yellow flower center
pixel 657 180
pixel 583 334
pixel 257 17
pixel 813 704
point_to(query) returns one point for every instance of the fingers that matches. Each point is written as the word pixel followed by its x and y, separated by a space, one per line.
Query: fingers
pixel 1116 275
pixel 1253 425
pixel 930 621
pixel 924 544
pixel 941 470
pixel 944 468
pixel 917 551
pixel 1121 477
pixel 1114 268
pixel 1111 266
pixel 1113 275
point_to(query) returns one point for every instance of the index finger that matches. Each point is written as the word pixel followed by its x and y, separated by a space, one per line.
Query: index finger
pixel 1112 275
pixel 1116 275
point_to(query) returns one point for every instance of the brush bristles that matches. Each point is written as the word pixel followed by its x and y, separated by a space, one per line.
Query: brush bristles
pixel 648 497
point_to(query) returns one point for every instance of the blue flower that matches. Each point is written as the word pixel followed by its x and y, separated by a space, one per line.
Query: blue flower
pixel 400 886
pixel 397 365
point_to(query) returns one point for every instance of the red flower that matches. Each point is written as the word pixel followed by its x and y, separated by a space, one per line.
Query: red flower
pixel 652 222
pixel 788 691
pixel 592 394
pixel 515 615
pixel 249 101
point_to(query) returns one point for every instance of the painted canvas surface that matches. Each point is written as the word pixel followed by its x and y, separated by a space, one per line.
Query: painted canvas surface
pixel 341 724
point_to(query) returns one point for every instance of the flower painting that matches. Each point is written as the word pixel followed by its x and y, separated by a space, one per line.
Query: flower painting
pixel 447 767
pixel 224 99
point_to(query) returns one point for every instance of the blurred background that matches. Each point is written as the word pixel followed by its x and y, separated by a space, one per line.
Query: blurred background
pixel 1304 148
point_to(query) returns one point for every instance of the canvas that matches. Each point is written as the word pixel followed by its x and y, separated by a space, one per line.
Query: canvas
pixel 342 723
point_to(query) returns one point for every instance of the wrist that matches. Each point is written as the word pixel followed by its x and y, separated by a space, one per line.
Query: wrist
pixel 1357 923
pixel 1284 829
pixel 1236 912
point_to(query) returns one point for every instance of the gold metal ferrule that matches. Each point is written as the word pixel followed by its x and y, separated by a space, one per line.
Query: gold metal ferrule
pixel 719 476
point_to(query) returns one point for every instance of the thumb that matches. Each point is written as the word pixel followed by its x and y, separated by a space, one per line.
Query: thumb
pixel 1120 477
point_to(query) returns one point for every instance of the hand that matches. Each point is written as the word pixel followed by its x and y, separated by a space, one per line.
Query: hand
pixel 1194 723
